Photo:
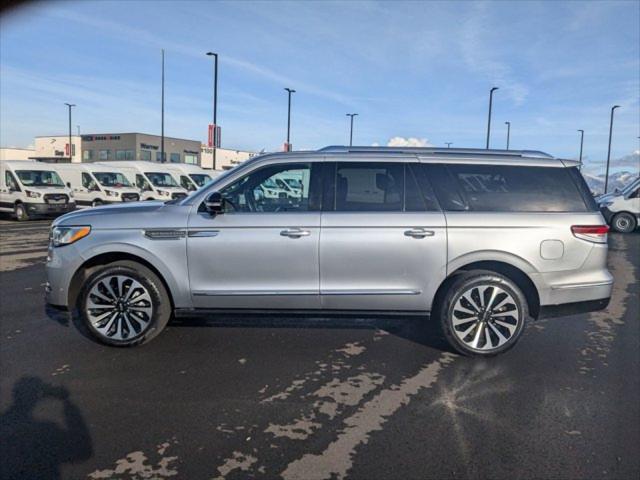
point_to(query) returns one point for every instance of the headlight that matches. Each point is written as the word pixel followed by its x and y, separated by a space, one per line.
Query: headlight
pixel 33 194
pixel 163 192
pixel 111 193
pixel 67 235
pixel 605 203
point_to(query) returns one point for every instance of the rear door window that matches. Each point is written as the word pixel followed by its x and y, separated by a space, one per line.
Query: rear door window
pixel 510 188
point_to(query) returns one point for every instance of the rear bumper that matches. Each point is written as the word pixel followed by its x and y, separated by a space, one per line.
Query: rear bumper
pixel 47 209
pixel 575 308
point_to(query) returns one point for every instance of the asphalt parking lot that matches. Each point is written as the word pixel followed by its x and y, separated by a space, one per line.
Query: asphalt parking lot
pixel 314 398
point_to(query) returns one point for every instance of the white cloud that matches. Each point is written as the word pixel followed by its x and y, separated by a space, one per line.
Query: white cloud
pixel 408 142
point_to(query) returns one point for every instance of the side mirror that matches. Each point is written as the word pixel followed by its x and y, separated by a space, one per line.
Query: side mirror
pixel 68 184
pixel 214 204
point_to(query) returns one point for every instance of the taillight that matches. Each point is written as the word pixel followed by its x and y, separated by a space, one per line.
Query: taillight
pixel 591 233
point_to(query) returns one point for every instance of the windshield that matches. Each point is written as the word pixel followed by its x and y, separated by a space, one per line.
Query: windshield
pixel 159 179
pixel 293 182
pixel 39 178
pixel 630 187
pixel 200 178
pixel 111 179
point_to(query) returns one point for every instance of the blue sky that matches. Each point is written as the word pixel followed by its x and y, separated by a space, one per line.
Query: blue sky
pixel 416 69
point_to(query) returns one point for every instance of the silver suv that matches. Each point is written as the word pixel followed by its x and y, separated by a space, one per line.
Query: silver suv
pixel 483 240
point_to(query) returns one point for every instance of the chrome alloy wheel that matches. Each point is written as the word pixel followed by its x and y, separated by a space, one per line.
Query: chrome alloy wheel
pixel 119 307
pixel 485 317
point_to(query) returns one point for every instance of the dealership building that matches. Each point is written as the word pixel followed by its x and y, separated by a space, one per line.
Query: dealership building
pixel 102 147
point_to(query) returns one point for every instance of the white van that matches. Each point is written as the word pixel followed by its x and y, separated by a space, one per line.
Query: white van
pixel 95 184
pixel 152 179
pixel 33 189
pixel 622 208
pixel 190 177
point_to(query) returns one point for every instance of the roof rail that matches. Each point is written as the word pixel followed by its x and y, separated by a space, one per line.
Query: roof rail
pixel 436 151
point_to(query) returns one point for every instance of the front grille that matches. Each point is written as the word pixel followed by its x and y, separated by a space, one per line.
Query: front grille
pixel 130 197
pixel 56 198
pixel 178 196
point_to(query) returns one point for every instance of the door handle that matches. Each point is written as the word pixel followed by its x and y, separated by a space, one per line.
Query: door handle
pixel 419 233
pixel 295 233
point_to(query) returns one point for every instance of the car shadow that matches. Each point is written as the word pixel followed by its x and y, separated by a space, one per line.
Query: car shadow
pixel 37 448
pixel 417 329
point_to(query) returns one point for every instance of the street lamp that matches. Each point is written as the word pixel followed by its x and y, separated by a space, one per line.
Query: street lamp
pixel 581 143
pixel 70 105
pixel 489 119
pixel 448 144
pixel 606 178
pixel 508 124
pixel 351 130
pixel 162 114
pixel 288 144
pixel 214 134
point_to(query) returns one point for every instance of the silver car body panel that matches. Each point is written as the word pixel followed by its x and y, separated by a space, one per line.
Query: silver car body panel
pixel 344 261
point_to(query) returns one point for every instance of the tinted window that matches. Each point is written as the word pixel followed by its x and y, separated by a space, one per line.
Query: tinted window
pixel 417 178
pixel 506 188
pixel 580 182
pixel 262 190
pixel 369 187
pixel 444 186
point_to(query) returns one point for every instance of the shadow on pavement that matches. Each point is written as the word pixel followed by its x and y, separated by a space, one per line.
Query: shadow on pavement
pixel 418 329
pixel 34 448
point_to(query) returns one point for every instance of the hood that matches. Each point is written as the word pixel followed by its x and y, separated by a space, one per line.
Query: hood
pixel 127 215
pixel 46 189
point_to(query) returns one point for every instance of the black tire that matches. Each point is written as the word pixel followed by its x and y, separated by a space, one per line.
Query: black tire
pixel 97 203
pixel 466 284
pixel 20 212
pixel 624 222
pixel 160 303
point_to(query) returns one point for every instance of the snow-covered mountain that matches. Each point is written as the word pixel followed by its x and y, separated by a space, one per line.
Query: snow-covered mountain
pixel 616 180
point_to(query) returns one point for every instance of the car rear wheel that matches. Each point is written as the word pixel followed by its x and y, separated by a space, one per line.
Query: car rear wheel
pixel 124 304
pixel 96 203
pixel 624 222
pixel 483 314
pixel 21 213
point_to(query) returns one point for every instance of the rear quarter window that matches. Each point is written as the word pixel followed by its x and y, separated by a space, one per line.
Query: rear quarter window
pixel 510 188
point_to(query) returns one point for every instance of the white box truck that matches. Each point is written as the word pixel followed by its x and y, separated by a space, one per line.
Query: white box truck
pixel 31 189
pixel 95 184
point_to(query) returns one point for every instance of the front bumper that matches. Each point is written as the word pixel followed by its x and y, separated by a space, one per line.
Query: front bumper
pixel 62 263
pixel 607 214
pixel 49 209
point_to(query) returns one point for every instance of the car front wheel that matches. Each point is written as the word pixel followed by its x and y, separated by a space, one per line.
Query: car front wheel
pixel 624 222
pixel 124 304
pixel 483 313
pixel 21 213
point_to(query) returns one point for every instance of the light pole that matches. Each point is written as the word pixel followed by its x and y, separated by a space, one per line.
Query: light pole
pixel 70 105
pixel 162 114
pixel 351 130
pixel 78 127
pixel 288 144
pixel 214 134
pixel 489 119
pixel 581 143
pixel 606 178
pixel 508 124
pixel 448 144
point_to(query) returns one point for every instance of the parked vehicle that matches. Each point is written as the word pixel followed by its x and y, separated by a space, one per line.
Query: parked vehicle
pixel 190 177
pixel 375 229
pixel 622 208
pixel 31 189
pixel 95 184
pixel 153 180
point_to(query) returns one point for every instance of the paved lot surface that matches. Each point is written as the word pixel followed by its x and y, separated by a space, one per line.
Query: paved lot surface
pixel 307 398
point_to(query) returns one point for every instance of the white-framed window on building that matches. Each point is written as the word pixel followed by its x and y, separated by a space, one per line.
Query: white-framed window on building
pixel 87 155
pixel 175 158
pixel 104 155
pixel 192 159
pixel 145 155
